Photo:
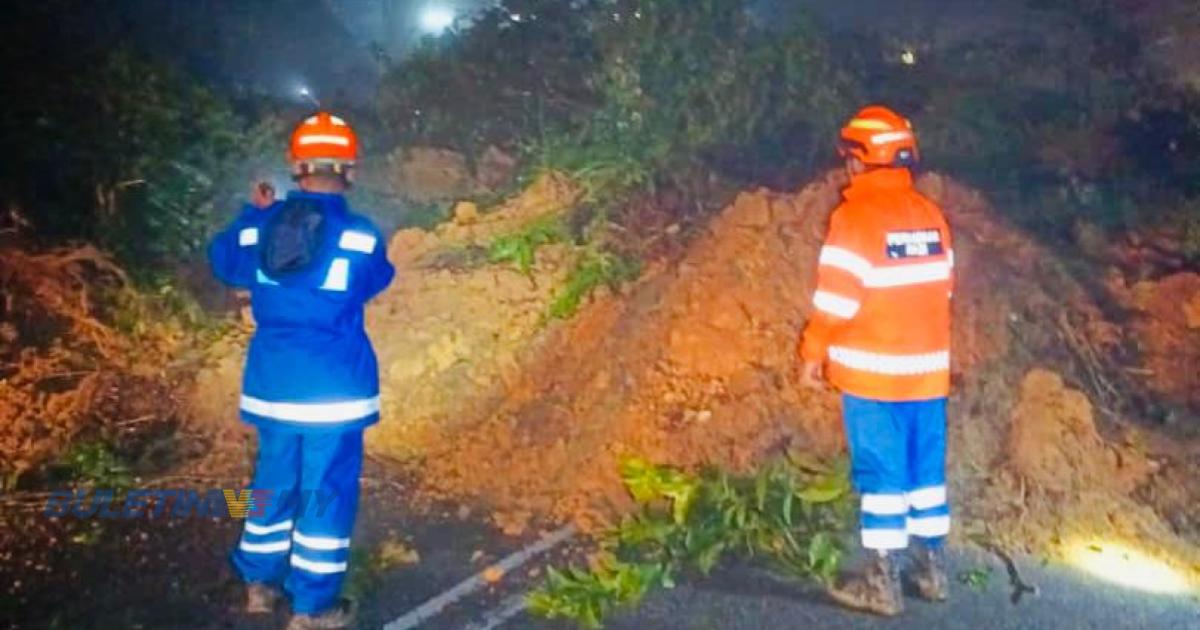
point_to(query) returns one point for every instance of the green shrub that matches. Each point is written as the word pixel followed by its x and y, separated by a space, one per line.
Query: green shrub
pixel 595 269
pixel 95 463
pixel 625 94
pixel 521 247
pixel 794 514
pixel 133 155
pixel 499 81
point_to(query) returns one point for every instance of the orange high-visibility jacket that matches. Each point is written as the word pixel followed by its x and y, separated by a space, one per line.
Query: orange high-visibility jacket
pixel 882 303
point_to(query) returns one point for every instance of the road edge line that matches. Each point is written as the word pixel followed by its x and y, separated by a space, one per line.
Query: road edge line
pixel 509 607
pixel 434 606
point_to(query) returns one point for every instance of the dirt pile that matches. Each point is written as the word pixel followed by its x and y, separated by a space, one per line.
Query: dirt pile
pixel 691 368
pixel 1054 442
pixel 1165 327
pixel 1064 487
pixel 450 331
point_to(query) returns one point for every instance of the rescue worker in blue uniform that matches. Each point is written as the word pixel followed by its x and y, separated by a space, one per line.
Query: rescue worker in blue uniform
pixel 311 383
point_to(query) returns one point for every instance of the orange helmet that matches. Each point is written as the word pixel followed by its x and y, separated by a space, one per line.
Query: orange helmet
pixel 879 136
pixel 324 139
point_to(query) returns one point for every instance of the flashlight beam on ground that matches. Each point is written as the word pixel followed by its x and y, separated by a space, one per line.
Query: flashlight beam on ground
pixel 1128 567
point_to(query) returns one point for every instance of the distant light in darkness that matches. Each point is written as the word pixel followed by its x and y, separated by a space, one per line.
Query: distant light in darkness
pixel 435 19
pixel 307 95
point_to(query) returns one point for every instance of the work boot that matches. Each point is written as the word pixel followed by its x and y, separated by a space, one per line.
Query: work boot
pixel 929 573
pixel 260 599
pixel 876 591
pixel 336 618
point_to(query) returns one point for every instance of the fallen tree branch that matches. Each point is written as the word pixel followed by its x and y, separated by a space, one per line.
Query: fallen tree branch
pixel 1019 585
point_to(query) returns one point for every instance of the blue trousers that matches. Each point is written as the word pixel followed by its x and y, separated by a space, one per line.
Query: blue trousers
pixel 300 535
pixel 898 465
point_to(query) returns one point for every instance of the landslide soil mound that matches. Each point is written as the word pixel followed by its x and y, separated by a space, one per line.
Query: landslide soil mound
pixel 691 368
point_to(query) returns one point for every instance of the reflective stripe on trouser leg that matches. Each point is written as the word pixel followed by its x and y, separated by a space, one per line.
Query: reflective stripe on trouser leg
pixel 262 551
pixel 879 469
pixel 883 520
pixel 320 552
pixel 929 508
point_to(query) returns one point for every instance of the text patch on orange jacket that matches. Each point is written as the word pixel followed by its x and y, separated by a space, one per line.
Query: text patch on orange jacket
pixel 882 304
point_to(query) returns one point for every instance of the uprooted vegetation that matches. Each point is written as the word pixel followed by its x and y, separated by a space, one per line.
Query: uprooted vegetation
pixel 793 514
pixel 84 357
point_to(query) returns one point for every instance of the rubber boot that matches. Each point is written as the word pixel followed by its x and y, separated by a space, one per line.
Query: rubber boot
pixel 261 599
pixel 336 618
pixel 929 572
pixel 876 591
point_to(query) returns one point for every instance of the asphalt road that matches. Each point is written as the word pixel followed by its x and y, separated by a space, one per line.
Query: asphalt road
pixel 745 598
pixel 736 597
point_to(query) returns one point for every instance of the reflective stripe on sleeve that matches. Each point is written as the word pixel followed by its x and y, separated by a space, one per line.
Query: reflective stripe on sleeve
pixel 320 543
pixel 357 242
pixel 313 566
pixel 314 413
pixel 260 530
pixel 844 259
pixel 927 498
pixel 248 237
pixel 835 304
pixel 884 504
pixel 891 364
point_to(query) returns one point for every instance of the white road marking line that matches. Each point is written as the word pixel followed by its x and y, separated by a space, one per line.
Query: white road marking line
pixel 435 606
pixel 509 607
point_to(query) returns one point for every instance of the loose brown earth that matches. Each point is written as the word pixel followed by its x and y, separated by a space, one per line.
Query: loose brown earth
pixel 1074 415
pixel 691 367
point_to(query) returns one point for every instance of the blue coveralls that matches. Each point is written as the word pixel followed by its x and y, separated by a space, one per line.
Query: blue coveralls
pixel 898 455
pixel 311 383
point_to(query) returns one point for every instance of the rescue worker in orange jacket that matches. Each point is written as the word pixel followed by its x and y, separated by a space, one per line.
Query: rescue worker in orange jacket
pixel 880 331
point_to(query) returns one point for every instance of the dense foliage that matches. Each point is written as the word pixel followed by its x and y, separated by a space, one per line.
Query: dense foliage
pixel 628 96
pixel 106 145
pixel 1064 125
pixel 794 514
pixel 625 92
pixel 632 94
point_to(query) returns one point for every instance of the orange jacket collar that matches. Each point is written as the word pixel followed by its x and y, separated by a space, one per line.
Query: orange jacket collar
pixel 878 179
